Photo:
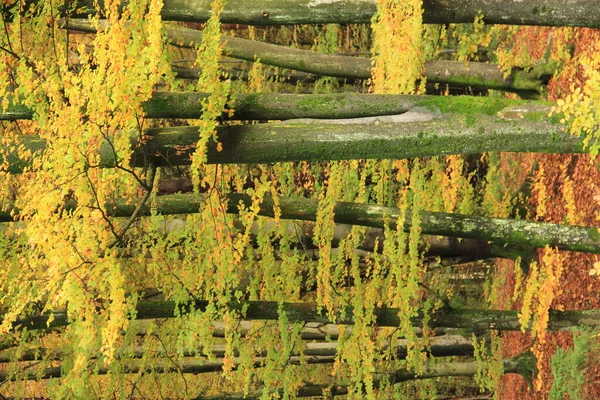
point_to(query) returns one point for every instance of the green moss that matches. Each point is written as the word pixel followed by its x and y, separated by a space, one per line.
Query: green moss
pixel 468 105
pixel 320 102
pixel 473 107
pixel 522 80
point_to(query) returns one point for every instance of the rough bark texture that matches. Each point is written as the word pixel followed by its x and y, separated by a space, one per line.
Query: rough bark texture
pixel 193 366
pixel 520 232
pixel 474 75
pixel 319 141
pixel 311 331
pixel 484 75
pixel 284 12
pixel 272 54
pixel 523 364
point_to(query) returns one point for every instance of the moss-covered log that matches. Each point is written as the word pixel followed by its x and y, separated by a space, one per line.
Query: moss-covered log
pixel 454 74
pixel 423 134
pixel 285 12
pixel 435 126
pixel 263 106
pixel 439 346
pixel 524 364
pixel 448 72
pixel 472 74
pixel 185 366
pixel 478 320
pixel 309 332
pixel 489 76
pixel 499 230
pixel 508 231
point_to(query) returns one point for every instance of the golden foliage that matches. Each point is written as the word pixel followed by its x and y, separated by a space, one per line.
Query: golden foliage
pixel 581 107
pixel 208 55
pixel 81 259
pixel 470 41
pixel 398 58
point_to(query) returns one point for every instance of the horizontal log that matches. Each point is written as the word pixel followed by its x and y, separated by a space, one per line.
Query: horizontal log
pixel 474 74
pixel 436 126
pixel 523 364
pixel 438 346
pixel 478 320
pixel 499 230
pixel 262 106
pixel 285 12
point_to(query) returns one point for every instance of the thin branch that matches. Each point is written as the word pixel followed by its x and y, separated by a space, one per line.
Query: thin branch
pixel 116 156
pixel 12 53
pixel 99 206
pixel 136 213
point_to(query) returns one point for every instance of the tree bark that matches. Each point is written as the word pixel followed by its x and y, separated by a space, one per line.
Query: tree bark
pixel 500 230
pixel 475 74
pixel 523 364
pixel 263 106
pixel 311 331
pixel 439 346
pixel 420 132
pixel 285 12
pixel 425 134
pixel 478 320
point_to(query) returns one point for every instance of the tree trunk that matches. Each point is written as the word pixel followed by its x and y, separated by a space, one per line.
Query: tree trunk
pixel 500 230
pixel 478 320
pixel 439 346
pixel 506 231
pixel 285 12
pixel 264 106
pixel 448 72
pixel 523 364
pixel 424 134
pixel 420 132
pixel 489 76
pixel 291 78
pixel 311 331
